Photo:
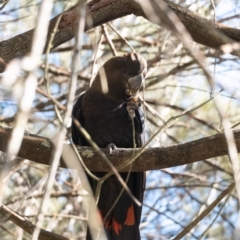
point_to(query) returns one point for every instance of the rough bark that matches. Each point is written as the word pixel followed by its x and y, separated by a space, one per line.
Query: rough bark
pixel 40 150
pixel 203 31
pixel 8 214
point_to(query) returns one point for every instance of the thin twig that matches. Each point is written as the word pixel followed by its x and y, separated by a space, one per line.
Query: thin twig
pixel 205 212
pixel 62 133
pixel 109 40
pixel 27 225
pixel 120 35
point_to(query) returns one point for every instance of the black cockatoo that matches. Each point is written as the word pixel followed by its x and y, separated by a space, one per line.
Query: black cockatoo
pixel 106 117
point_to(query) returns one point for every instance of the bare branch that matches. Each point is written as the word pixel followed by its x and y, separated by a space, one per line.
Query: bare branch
pixel 8 214
pixel 203 31
pixel 188 228
pixel 40 150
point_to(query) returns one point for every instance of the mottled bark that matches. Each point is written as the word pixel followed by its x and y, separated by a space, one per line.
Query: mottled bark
pixel 40 150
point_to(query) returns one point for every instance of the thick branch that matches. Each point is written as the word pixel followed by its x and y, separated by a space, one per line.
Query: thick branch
pixel 8 214
pixel 202 30
pixel 40 150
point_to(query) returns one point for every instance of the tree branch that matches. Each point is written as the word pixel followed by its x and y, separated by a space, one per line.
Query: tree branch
pixel 40 150
pixel 205 212
pixel 8 214
pixel 203 31
pixel 206 32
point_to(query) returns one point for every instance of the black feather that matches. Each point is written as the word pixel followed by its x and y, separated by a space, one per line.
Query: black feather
pixel 106 119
